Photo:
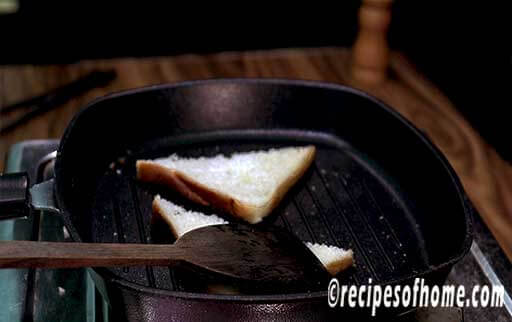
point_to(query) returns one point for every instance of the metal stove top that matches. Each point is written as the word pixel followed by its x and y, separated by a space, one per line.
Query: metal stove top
pixel 70 294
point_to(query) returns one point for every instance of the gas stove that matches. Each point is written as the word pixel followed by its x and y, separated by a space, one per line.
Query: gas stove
pixel 71 295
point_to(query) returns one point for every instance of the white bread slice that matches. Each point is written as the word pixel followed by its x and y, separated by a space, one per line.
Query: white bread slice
pixel 180 221
pixel 333 258
pixel 247 185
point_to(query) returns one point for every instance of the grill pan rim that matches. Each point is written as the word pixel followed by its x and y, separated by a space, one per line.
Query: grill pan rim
pixel 468 209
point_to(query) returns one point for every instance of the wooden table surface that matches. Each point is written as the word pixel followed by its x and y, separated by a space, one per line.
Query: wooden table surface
pixel 485 176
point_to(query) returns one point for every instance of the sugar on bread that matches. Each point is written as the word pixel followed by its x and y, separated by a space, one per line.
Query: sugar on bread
pixel 247 185
pixel 180 221
pixel 334 259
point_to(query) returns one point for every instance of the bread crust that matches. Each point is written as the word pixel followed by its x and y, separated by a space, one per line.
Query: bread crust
pixel 159 214
pixel 150 171
pixel 338 266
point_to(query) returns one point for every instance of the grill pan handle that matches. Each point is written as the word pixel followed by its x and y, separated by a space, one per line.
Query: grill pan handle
pixel 14 195
pixel 17 199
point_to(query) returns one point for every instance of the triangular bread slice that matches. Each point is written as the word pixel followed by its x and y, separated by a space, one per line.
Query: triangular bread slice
pixel 248 185
pixel 180 221
pixel 334 259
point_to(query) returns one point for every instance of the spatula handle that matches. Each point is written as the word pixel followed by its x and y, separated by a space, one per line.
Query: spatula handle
pixel 18 254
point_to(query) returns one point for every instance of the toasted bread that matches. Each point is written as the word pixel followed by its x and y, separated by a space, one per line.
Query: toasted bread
pixel 247 185
pixel 333 258
pixel 180 221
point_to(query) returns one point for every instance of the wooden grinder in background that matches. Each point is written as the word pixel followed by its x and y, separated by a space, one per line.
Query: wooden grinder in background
pixel 370 53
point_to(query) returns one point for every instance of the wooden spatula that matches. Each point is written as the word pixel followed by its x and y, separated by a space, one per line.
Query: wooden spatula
pixel 235 251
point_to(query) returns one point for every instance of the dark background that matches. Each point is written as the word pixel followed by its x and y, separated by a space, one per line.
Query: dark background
pixel 464 48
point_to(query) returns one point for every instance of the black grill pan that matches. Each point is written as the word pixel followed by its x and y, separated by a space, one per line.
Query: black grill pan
pixel 377 186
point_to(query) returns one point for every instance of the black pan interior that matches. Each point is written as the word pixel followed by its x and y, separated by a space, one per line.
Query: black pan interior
pixel 376 186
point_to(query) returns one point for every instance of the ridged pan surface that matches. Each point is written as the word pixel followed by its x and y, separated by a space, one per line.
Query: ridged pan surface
pixel 376 185
pixel 342 200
